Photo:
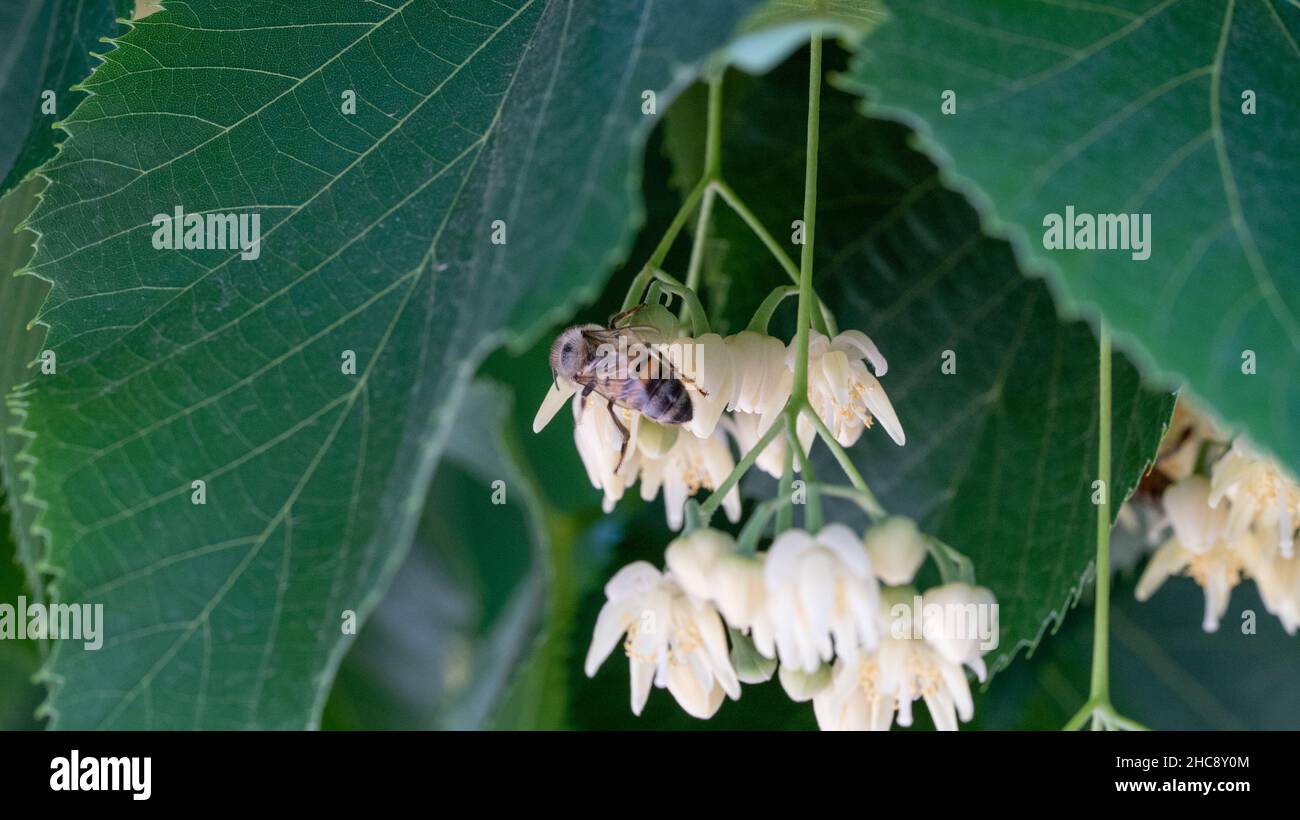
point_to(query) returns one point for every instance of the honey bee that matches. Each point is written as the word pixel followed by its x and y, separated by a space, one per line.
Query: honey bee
pixel 615 363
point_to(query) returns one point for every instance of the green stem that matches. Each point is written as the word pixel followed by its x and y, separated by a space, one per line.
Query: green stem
pixel 1100 689
pixel 713 134
pixel 763 316
pixel 655 293
pixel 697 244
pixel 785 515
pixel 850 494
pixel 800 388
pixel 1099 707
pixel 712 172
pixel 812 514
pixel 747 541
pixel 647 273
pixel 1075 723
pixel 714 500
pixel 846 463
pixel 824 318
pixel 690 302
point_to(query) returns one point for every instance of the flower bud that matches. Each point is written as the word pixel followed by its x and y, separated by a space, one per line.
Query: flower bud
pixel 659 323
pixel 750 665
pixel 897 549
pixel 692 559
pixel 655 440
pixel 738 588
pixel 804 686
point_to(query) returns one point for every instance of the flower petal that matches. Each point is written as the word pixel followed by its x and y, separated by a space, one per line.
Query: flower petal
pixel 878 403
pixel 861 341
pixel 556 396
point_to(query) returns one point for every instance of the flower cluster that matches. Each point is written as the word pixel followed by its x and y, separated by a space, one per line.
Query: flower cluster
pixel 836 611
pixel 739 386
pixel 1230 513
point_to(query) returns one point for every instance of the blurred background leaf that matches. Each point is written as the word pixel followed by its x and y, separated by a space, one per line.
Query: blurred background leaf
pixel 466 608
pixel 45 45
pixel 20 296
pixel 1164 670
pixel 19 660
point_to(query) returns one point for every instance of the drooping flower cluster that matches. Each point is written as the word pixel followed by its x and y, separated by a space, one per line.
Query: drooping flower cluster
pixel 834 610
pixel 1229 513
pixel 738 386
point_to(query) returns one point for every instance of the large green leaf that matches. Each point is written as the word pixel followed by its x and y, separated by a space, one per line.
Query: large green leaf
pixel 465 608
pixel 176 366
pixel 1000 455
pixel 45 46
pixel 1136 106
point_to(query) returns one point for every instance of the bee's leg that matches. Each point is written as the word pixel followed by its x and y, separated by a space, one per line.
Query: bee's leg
pixel 687 380
pixel 618 317
pixel 622 429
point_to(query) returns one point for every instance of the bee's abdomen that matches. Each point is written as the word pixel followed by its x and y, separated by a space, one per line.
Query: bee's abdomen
pixel 667 402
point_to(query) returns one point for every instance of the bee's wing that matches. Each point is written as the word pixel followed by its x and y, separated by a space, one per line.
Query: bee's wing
pixel 601 335
pixel 619 391
pixel 631 335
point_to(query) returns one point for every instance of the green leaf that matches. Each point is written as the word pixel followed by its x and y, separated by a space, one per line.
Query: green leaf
pixel 1130 107
pixel 47 48
pixel 177 366
pixel 1000 455
pixel 465 608
pixel 1164 671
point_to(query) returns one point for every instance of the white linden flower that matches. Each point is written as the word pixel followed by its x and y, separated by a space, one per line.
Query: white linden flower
pixel 708 567
pixel 1214 548
pixel 692 559
pixel 1198 547
pixel 1197 525
pixel 1278 580
pixel 843 392
pixel 820 589
pixel 866 692
pixel 599 442
pixel 952 617
pixel 673 641
pixel 1261 494
pixel 689 465
pixel 747 429
pixel 706 367
pixel 1217 569
pixel 762 379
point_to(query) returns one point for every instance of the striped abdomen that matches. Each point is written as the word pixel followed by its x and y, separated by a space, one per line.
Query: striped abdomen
pixel 663 400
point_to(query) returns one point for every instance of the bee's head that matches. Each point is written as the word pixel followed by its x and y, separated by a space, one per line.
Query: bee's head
pixel 569 353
